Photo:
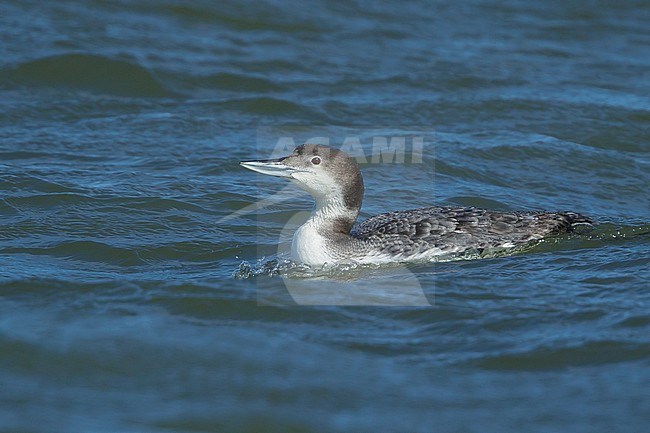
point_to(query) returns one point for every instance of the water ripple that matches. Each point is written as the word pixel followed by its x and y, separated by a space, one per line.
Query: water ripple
pixel 89 72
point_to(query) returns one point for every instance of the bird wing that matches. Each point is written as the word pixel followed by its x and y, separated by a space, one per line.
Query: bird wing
pixel 452 229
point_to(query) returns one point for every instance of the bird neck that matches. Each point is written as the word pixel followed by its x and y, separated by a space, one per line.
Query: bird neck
pixel 331 215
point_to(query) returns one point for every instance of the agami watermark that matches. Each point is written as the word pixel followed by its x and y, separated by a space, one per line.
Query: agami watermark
pixel 345 284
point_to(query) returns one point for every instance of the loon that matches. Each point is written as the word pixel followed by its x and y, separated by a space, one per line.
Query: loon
pixel 329 236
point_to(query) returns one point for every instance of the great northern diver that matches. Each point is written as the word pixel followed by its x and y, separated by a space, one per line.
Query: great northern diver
pixel 333 178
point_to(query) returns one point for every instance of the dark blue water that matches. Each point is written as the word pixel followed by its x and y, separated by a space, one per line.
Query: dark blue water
pixel 144 283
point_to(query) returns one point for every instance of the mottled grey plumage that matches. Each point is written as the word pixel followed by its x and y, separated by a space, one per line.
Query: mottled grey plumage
pixel 334 179
pixel 460 229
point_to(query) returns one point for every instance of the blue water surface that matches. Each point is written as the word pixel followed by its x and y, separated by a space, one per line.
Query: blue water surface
pixel 144 279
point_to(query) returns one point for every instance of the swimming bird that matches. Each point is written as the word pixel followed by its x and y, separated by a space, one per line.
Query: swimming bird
pixel 329 235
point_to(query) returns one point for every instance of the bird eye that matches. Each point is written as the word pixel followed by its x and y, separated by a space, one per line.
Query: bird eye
pixel 315 160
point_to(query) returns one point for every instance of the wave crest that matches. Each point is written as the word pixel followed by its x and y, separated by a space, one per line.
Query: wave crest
pixel 89 72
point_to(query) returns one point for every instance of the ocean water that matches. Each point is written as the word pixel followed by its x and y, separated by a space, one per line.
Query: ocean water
pixel 144 280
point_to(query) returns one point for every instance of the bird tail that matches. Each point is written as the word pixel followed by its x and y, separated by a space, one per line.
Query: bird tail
pixel 575 219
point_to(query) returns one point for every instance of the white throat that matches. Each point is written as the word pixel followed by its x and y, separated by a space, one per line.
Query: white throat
pixel 312 242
